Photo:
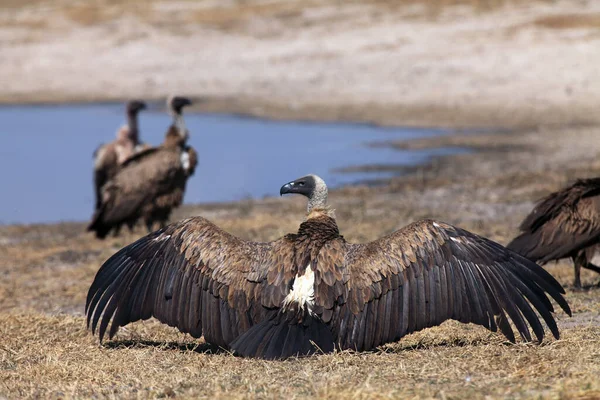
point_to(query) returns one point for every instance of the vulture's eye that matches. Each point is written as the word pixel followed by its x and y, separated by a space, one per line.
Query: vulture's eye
pixel 300 183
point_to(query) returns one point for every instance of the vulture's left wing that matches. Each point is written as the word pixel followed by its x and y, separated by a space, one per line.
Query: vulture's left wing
pixel 425 274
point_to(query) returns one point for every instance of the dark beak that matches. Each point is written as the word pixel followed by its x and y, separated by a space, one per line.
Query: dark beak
pixel 287 188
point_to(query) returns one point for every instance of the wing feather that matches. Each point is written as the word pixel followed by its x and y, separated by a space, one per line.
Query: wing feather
pixel 429 272
pixel 190 275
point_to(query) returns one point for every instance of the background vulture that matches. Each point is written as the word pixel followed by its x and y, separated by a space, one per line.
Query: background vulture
pixel 109 157
pixel 564 224
pixel 149 184
pixel 312 289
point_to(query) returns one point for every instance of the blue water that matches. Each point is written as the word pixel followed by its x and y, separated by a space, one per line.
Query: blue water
pixel 46 156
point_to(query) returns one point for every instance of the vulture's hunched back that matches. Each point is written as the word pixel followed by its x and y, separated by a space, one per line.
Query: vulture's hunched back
pixel 151 183
pixel 564 224
pixel 312 291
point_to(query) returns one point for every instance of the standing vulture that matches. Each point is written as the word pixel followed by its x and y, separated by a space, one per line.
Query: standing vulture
pixel 313 291
pixel 110 156
pixel 564 224
pixel 150 183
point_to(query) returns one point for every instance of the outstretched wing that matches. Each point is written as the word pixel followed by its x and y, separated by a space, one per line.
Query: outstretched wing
pixel 194 276
pixel 425 274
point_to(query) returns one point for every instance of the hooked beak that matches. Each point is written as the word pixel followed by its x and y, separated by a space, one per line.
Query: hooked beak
pixel 287 188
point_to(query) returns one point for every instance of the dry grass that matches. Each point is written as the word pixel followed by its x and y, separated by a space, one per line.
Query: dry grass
pixel 46 352
pixel 569 21
pixel 227 16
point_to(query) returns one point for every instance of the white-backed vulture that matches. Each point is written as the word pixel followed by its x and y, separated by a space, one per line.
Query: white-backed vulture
pixel 109 157
pixel 563 224
pixel 149 184
pixel 313 291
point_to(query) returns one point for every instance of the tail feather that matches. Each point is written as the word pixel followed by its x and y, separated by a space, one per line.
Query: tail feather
pixel 531 246
pixel 282 336
pixel 97 226
pixel 527 245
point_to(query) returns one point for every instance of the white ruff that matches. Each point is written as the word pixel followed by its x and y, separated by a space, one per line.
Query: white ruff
pixel 303 291
pixel 185 160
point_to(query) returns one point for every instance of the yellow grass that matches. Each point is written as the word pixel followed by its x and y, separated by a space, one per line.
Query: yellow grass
pixel 46 350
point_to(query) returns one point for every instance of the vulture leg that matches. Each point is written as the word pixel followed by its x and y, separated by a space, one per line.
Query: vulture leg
pixel 131 226
pixel 149 224
pixel 592 267
pixel 578 260
pixel 116 230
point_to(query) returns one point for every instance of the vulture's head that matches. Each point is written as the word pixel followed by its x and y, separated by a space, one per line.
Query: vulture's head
pixel 175 104
pixel 311 186
pixel 135 106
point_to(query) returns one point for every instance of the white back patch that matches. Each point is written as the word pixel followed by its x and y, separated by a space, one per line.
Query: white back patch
pixel 303 291
pixel 185 160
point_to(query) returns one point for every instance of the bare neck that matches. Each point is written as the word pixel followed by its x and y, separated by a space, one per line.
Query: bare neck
pixel 179 123
pixel 132 122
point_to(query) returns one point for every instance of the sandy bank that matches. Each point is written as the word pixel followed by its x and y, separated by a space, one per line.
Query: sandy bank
pixel 465 64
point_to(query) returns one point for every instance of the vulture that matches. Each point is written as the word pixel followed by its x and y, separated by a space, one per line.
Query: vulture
pixel 565 224
pixel 312 291
pixel 110 156
pixel 149 184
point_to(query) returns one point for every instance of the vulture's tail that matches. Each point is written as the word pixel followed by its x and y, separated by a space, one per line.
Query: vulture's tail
pixel 282 336
pixel 96 225
pixel 528 244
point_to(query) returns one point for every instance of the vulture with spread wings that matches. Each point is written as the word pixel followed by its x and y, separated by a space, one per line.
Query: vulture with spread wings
pixel 565 224
pixel 312 291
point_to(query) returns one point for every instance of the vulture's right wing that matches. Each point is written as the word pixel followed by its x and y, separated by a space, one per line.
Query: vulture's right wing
pixel 429 272
pixel 194 276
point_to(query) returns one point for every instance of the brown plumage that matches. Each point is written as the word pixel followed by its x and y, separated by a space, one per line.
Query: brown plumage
pixel 313 291
pixel 564 224
pixel 159 211
pixel 109 157
pixel 148 185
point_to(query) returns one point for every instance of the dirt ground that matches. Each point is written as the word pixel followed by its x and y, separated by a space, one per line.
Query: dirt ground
pixel 459 63
pixel 46 270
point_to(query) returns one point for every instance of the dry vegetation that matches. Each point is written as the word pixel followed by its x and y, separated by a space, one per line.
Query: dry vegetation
pixel 46 269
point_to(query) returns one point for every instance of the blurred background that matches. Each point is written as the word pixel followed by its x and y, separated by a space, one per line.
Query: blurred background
pixel 330 72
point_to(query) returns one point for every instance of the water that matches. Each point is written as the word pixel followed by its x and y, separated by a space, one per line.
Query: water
pixel 46 156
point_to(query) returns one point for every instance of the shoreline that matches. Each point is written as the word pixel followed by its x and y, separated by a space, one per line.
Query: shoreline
pixel 408 116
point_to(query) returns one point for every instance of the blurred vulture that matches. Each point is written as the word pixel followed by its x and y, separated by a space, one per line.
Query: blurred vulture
pixel 150 183
pixel 110 156
pixel 564 224
pixel 312 291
